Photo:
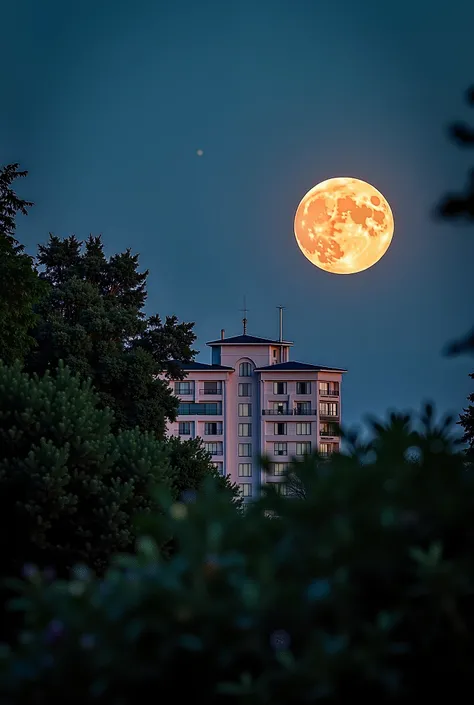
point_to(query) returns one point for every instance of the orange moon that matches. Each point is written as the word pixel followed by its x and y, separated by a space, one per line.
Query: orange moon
pixel 344 225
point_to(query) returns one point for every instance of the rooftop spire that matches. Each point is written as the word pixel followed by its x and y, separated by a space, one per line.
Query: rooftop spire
pixel 244 319
pixel 281 308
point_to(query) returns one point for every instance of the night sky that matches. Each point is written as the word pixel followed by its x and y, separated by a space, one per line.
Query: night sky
pixel 106 102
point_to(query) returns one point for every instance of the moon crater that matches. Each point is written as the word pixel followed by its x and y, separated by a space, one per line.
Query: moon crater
pixel 344 225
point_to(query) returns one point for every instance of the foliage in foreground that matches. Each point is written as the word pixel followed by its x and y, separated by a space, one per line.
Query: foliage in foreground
pixel 364 589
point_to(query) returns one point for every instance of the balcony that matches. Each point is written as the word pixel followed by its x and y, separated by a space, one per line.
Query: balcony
pixel 329 393
pixel 305 412
pixel 216 391
pixel 216 452
pixel 328 417
pixel 332 433
pixel 196 409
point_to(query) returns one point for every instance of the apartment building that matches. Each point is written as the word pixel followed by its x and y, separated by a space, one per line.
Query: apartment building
pixel 253 400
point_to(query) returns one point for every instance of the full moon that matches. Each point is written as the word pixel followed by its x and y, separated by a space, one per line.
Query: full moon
pixel 344 225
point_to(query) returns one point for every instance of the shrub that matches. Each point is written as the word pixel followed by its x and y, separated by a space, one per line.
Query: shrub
pixel 69 488
pixel 363 589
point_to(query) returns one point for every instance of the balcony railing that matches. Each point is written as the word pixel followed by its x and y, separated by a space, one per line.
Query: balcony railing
pixel 289 412
pixel 216 390
pixel 334 433
pixel 216 452
pixel 329 393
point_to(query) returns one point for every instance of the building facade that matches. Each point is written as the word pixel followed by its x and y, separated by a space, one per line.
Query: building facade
pixel 252 400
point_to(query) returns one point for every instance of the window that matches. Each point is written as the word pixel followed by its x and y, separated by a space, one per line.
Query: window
pixel 303 429
pixel 245 389
pixel 212 388
pixel 283 489
pixel 245 450
pixel 329 389
pixel 245 429
pixel 213 428
pixel 303 448
pixel 245 489
pixel 245 369
pixel 328 429
pixel 327 448
pixel 280 449
pixel 245 469
pixel 279 387
pixel 220 468
pixel 184 428
pixel 183 387
pixel 279 407
pixel 214 448
pixel 279 429
pixel 328 408
pixel 245 409
pixel 279 468
pixel 303 387
pixel 303 408
pixel 206 409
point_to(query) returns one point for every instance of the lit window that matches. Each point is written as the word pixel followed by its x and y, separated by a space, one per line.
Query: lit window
pixel 329 389
pixel 245 469
pixel 183 387
pixel 245 409
pixel 245 489
pixel 328 408
pixel 303 448
pixel 327 448
pixel 280 449
pixel 303 429
pixel 245 369
pixel 214 448
pixel 245 429
pixel 245 450
pixel 185 428
pixel 279 468
pixel 220 468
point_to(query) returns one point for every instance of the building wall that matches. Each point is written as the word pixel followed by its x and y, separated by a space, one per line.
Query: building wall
pixel 262 395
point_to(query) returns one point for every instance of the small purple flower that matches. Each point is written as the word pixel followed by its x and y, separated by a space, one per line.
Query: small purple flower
pixel 29 571
pixel 280 640
pixel 54 631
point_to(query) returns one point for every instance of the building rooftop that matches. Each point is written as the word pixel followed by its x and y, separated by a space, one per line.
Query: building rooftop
pixel 294 366
pixel 248 340
pixel 201 366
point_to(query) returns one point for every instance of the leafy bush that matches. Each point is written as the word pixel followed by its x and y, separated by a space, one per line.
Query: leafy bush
pixel 363 589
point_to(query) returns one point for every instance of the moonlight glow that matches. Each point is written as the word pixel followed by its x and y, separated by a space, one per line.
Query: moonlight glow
pixel 344 225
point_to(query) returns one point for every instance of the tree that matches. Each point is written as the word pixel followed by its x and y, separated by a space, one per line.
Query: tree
pixel 20 287
pixel 466 420
pixel 93 319
pixel 191 465
pixel 462 206
pixel 69 488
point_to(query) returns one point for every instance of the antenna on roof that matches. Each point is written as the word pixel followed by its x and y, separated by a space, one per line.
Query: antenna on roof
pixel 244 319
pixel 280 308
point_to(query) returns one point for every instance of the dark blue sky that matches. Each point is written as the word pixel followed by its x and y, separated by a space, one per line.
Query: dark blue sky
pixel 108 101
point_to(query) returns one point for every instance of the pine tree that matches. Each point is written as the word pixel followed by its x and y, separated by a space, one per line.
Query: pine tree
pixel 20 287
pixel 466 420
pixel 93 319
